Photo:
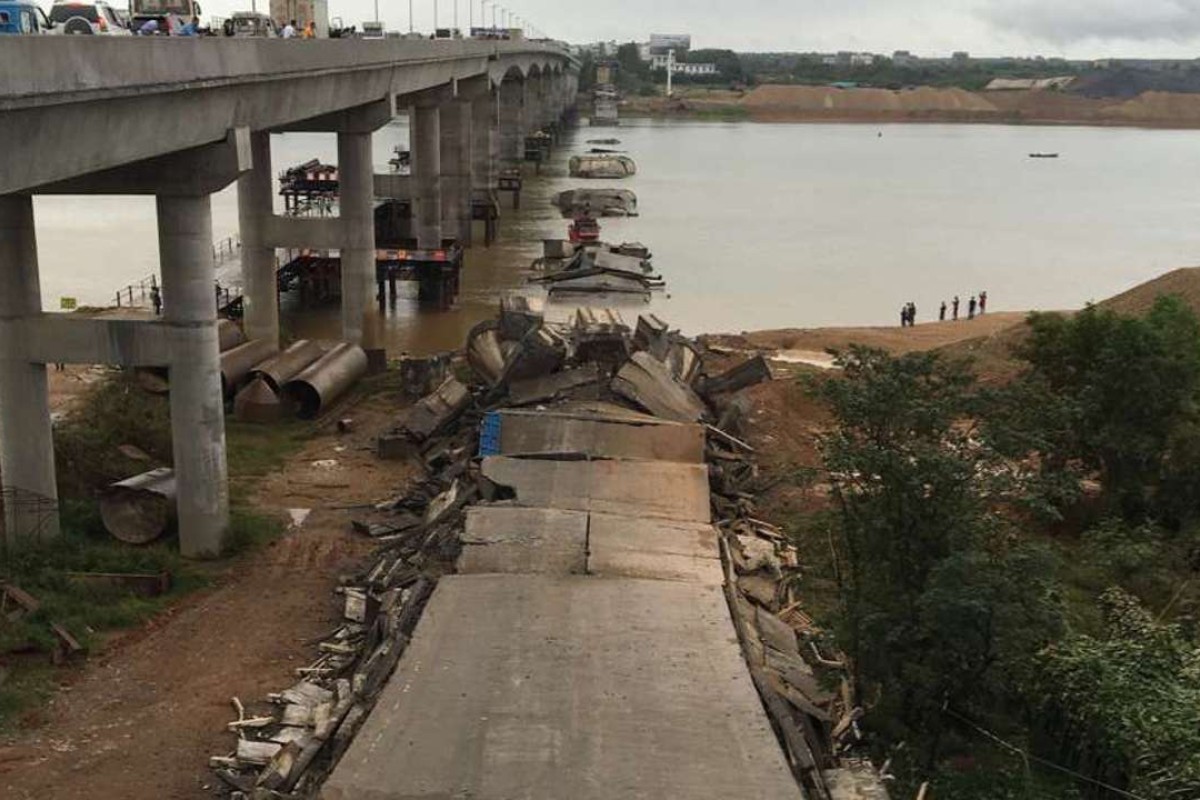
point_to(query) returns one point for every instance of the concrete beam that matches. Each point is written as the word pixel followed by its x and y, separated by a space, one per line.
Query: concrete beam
pixel 76 339
pixel 26 436
pixel 195 171
pixel 361 119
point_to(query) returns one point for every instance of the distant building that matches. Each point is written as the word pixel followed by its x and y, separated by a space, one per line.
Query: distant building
pixel 862 59
pixel 695 69
pixel 903 58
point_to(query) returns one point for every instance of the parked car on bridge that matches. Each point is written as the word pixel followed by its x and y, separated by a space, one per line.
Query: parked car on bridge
pixel 86 19
pixel 23 18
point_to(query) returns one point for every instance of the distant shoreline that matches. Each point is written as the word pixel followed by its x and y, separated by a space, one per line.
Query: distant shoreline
pixel 818 104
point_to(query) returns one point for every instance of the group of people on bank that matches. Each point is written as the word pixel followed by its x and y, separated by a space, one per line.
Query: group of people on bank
pixel 976 305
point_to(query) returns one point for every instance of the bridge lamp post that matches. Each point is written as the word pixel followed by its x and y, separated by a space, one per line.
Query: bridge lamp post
pixel 435 17
pixel 410 16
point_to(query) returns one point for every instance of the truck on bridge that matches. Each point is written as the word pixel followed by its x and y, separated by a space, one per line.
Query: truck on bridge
pixel 171 15
pixel 302 12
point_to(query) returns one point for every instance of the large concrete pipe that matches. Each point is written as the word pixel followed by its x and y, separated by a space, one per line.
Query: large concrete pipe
pixel 237 363
pixel 325 381
pixel 140 509
pixel 280 369
pixel 229 334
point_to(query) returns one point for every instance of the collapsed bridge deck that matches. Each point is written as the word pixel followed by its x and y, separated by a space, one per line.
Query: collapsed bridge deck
pixel 585 648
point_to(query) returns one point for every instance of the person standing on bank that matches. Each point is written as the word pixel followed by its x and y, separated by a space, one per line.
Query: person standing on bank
pixel 982 302
pixel 156 299
pixel 942 312
pixel 904 316
pixel 971 308
pixel 954 306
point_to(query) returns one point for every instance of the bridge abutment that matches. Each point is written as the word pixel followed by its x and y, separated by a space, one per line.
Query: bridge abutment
pixel 26 437
pixel 197 406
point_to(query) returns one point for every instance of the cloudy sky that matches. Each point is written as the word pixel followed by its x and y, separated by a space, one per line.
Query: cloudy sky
pixel 1072 28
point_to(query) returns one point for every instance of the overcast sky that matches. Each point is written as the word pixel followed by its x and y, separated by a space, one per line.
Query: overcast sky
pixel 1071 28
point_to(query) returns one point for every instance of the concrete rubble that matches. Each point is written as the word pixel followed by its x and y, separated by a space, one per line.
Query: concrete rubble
pixel 585 529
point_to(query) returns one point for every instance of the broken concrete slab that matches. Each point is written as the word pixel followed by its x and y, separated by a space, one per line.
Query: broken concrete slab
pixel 547 687
pixel 549 433
pixel 648 382
pixel 524 540
pixel 552 387
pixel 430 414
pixel 633 547
pixel 636 488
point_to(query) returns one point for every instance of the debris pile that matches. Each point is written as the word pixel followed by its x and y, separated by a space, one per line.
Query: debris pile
pixel 600 202
pixel 592 366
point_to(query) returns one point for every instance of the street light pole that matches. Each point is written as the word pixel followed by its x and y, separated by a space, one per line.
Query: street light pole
pixel 410 18
pixel 435 20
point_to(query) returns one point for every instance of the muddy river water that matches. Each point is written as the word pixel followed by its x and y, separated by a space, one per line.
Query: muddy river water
pixel 774 225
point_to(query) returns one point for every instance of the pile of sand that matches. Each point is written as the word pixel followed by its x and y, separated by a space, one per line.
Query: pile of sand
pixel 828 99
pixel 928 103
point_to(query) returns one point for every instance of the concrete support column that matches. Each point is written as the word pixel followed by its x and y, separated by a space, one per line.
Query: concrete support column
pixel 255 208
pixel 356 193
pixel 26 438
pixel 512 122
pixel 425 130
pixel 197 407
pixel 483 143
pixel 455 158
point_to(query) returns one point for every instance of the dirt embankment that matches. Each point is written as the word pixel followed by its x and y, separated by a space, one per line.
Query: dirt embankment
pixel 139 720
pixel 785 103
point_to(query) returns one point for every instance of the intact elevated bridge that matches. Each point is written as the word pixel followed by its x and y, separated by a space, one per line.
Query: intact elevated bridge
pixel 181 118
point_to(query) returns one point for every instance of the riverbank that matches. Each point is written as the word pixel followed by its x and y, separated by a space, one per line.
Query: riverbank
pixel 780 103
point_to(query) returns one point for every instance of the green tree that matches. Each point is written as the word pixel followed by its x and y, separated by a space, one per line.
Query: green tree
pixel 632 72
pixel 1124 709
pixel 939 605
pixel 1116 395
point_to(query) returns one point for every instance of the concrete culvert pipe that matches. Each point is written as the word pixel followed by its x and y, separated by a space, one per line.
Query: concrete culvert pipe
pixel 140 509
pixel 237 363
pixel 229 334
pixel 280 369
pixel 324 381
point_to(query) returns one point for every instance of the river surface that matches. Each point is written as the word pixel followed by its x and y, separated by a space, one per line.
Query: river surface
pixel 759 226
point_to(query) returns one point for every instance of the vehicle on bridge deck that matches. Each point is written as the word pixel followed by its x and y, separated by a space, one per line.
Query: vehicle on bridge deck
pixel 86 19
pixel 23 18
pixel 245 24
pixel 171 15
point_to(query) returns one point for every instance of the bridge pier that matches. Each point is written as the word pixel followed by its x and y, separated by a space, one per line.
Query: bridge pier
pixel 425 130
pixel 26 437
pixel 361 323
pixel 484 150
pixel 512 123
pixel 260 299
pixel 455 159
pixel 197 406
